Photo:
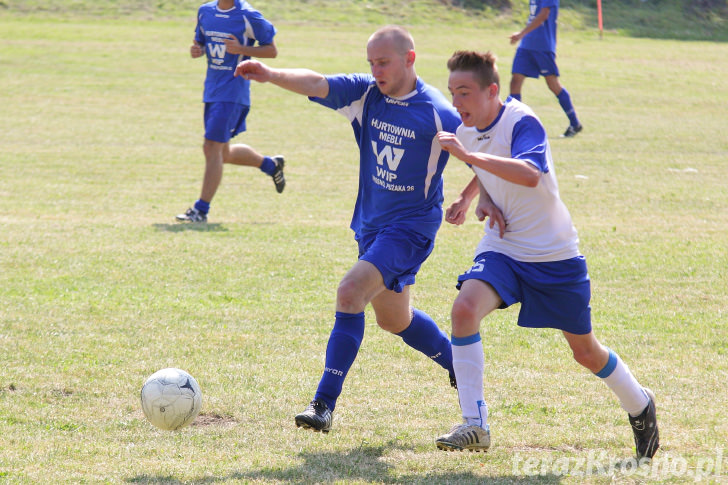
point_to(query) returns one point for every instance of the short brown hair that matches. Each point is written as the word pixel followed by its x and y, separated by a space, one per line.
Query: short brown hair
pixel 481 64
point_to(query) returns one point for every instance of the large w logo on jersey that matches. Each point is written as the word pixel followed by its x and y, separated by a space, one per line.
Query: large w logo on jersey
pixel 217 50
pixel 392 155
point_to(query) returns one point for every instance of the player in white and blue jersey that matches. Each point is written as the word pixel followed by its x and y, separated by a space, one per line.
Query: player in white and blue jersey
pixel 395 117
pixel 528 255
pixel 227 32
pixel 536 56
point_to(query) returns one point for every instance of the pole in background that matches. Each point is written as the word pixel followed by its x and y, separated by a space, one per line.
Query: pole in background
pixel 599 16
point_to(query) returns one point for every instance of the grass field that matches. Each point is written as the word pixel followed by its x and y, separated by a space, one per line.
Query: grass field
pixel 100 139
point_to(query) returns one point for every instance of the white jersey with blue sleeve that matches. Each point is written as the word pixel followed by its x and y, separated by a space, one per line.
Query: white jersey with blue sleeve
pixel 213 27
pixel 401 162
pixel 538 224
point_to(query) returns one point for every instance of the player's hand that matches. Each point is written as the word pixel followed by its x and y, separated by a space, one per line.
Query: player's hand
pixel 254 70
pixel 515 37
pixel 455 214
pixel 196 50
pixel 233 45
pixel 450 143
pixel 494 215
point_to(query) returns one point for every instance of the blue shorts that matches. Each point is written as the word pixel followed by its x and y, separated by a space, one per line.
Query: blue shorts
pixel 397 253
pixel 553 295
pixel 224 120
pixel 534 63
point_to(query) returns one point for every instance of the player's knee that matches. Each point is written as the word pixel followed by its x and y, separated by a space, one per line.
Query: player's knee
pixel 348 298
pixel 391 326
pixel 587 357
pixel 463 315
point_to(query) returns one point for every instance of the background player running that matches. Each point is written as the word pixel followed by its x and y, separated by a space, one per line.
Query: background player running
pixel 529 253
pixel 536 56
pixel 227 31
pixel 395 117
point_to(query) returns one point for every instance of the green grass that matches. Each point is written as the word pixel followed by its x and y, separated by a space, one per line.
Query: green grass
pixel 100 145
pixel 668 19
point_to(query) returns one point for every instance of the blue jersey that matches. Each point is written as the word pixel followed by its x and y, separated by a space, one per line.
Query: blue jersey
pixel 213 27
pixel 543 38
pixel 401 162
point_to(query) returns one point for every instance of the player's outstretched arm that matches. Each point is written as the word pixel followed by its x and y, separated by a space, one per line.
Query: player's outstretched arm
pixel 301 81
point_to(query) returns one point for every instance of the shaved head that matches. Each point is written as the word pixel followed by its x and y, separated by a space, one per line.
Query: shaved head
pixel 398 37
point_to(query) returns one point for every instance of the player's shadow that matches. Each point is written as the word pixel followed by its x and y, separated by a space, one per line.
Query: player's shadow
pixel 183 227
pixel 364 463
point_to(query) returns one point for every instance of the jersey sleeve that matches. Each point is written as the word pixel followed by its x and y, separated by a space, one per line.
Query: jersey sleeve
pixel 450 120
pixel 529 142
pixel 199 33
pixel 258 28
pixel 345 90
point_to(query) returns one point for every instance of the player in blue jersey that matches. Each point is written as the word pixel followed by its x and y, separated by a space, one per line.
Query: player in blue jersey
pixel 227 32
pixel 529 253
pixel 536 56
pixel 395 117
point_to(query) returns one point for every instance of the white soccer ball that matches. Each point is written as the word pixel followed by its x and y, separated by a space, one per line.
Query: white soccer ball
pixel 171 399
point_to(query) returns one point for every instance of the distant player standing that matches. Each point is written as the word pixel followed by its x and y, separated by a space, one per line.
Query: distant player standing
pixel 536 56
pixel 396 117
pixel 227 31
pixel 529 253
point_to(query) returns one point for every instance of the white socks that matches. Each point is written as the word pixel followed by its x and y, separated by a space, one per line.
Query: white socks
pixel 469 363
pixel 620 380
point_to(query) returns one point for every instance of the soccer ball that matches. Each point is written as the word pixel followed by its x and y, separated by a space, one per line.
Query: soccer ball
pixel 171 399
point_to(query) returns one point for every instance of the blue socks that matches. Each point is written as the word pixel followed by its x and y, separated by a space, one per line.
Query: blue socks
pixel 202 206
pixel 343 346
pixel 565 102
pixel 268 166
pixel 341 351
pixel 424 335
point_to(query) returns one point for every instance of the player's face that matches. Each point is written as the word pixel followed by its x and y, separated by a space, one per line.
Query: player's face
pixel 472 101
pixel 389 68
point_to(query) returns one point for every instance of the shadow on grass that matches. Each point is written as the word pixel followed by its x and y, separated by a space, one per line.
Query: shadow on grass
pixel 183 226
pixel 361 464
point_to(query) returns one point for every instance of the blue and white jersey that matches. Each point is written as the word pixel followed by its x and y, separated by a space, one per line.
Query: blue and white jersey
pixel 538 224
pixel 213 27
pixel 401 162
pixel 543 38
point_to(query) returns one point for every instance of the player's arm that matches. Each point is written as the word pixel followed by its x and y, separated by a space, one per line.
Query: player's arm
pixel 487 208
pixel 511 169
pixel 455 214
pixel 301 81
pixel 532 25
pixel 233 46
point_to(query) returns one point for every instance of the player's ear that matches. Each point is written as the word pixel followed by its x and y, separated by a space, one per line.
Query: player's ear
pixel 492 90
pixel 410 57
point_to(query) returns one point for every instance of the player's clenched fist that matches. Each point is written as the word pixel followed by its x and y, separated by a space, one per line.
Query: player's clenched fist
pixel 196 50
pixel 255 70
pixel 450 143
